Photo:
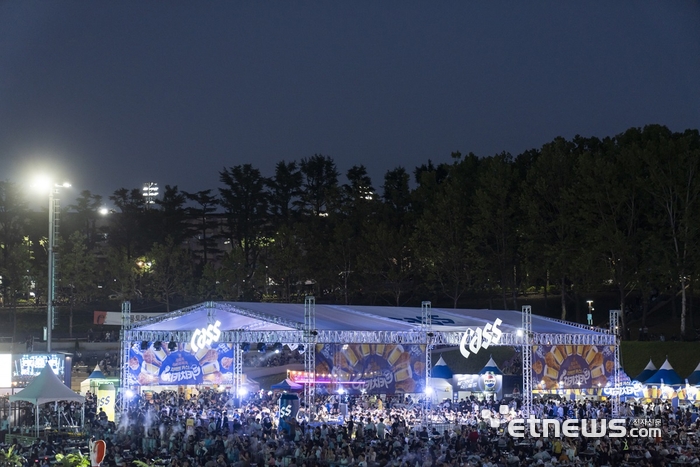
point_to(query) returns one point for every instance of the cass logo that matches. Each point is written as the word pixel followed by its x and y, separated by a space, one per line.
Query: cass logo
pixel 477 339
pixel 205 336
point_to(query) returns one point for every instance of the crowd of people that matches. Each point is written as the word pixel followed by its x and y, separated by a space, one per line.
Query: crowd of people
pixel 207 428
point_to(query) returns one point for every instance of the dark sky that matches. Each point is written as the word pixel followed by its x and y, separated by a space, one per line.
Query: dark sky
pixel 112 94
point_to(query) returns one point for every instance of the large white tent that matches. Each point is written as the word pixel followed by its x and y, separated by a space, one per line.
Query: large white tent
pixel 43 389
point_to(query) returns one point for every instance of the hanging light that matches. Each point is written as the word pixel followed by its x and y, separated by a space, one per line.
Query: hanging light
pixel 172 346
pixel 262 347
pixel 245 346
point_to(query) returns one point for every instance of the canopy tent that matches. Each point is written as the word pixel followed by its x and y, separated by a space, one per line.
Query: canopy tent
pixel 646 373
pixel 441 370
pixel 46 388
pixel 94 380
pixel 665 375
pixel 441 381
pixel 491 367
pixel 694 377
pixel 96 373
pixel 290 316
pixel 287 385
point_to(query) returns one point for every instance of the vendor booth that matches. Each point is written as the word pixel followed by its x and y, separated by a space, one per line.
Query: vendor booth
pixel 441 381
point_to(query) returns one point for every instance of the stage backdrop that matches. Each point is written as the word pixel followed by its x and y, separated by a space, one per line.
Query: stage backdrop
pixel 180 367
pixel 572 366
pixel 376 368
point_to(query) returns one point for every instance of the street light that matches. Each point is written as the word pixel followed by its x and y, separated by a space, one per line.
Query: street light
pixel 54 209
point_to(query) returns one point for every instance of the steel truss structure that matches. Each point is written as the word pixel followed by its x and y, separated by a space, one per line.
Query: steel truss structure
pixel 309 336
pixel 526 350
pixel 426 327
pixel 449 338
pixel 309 340
pixel 122 402
pixel 614 324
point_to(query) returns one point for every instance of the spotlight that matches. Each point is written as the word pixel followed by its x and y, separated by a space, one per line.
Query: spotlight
pixel 144 345
pixel 245 346
pixel 277 347
pixel 262 347
pixel 172 346
pixel 157 345
pixel 300 349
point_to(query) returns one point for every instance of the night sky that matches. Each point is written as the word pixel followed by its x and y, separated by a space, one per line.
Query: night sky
pixel 114 94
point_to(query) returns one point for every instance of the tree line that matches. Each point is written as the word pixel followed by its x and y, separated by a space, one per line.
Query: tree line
pixel 573 217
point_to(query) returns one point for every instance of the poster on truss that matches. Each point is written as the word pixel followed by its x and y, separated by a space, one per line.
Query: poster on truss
pixel 572 366
pixel 373 368
pixel 182 366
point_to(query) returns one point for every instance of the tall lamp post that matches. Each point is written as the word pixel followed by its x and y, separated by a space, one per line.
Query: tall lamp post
pixel 54 210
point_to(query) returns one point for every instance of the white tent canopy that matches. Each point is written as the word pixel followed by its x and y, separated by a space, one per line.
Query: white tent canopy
pixel 46 388
pixel 288 316
pixel 43 389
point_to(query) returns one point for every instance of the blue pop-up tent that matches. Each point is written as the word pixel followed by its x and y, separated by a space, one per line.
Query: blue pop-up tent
pixel 287 385
pixel 694 377
pixel 665 375
pixel 646 373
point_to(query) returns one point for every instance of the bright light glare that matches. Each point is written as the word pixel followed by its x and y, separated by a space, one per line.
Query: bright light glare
pixel 341 391
pixel 104 211
pixel 129 393
pixel 519 333
pixel 41 182
pixel 428 390
pixel 242 392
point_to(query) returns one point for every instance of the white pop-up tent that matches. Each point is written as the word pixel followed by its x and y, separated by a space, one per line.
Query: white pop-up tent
pixel 43 389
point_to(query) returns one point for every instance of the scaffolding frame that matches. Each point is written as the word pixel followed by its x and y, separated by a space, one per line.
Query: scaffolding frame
pixel 614 324
pixel 526 351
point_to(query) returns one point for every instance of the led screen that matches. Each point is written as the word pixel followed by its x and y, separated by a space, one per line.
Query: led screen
pixel 26 367
pixel 5 370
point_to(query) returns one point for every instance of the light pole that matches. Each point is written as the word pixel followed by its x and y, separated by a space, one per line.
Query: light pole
pixel 590 312
pixel 54 209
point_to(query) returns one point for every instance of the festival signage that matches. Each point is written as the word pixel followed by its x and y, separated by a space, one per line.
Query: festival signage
pixel 205 337
pixel 477 339
pixel 488 383
pixel 628 389
pixel 182 366
pixel 572 366
pixel 373 368
pixel 106 398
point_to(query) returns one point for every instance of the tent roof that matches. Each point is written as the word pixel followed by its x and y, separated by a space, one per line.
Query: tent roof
pixel 666 375
pixel 46 388
pixel 287 385
pixel 646 373
pixel 491 366
pixel 96 373
pixel 260 316
pixel 694 377
pixel 441 370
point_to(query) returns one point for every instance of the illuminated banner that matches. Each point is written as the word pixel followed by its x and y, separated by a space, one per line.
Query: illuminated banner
pixel 572 366
pixel 488 382
pixel 106 398
pixel 205 337
pixel 373 368
pixel 180 367
pixel 474 340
